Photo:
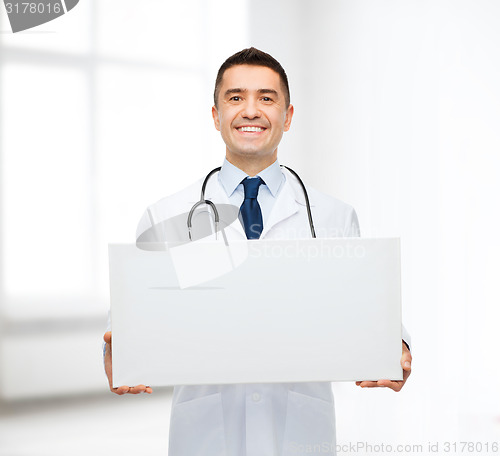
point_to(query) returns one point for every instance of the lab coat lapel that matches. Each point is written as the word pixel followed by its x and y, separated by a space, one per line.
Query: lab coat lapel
pixel 216 193
pixel 284 206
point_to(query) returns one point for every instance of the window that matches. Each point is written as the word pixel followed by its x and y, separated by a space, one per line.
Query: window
pixel 103 111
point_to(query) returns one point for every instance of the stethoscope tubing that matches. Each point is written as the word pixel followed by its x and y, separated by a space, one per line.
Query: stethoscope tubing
pixel 216 213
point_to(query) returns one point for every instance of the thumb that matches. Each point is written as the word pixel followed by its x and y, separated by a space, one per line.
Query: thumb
pixel 406 362
pixel 107 337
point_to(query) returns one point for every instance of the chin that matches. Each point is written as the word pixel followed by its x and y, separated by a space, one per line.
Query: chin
pixel 249 153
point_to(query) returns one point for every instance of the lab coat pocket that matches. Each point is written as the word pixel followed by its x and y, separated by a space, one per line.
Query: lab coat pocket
pixel 197 427
pixel 310 426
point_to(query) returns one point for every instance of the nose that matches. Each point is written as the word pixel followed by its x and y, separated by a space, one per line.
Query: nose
pixel 250 109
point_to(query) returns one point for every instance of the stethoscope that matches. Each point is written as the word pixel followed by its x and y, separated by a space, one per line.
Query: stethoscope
pixel 216 213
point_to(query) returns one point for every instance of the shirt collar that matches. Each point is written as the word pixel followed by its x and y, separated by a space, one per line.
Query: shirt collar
pixel 273 177
pixel 230 177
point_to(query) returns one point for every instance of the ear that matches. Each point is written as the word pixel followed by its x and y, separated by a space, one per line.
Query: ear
pixel 215 115
pixel 288 118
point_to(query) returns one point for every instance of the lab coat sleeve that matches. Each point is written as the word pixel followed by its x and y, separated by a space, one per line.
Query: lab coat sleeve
pixel 144 223
pixel 406 336
pixel 352 224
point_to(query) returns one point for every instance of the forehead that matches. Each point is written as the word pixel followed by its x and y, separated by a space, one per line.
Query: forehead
pixel 250 77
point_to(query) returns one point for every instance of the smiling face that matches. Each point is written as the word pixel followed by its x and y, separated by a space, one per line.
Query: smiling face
pixel 251 115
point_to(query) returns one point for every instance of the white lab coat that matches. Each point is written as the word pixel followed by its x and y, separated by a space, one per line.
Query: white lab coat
pixel 257 419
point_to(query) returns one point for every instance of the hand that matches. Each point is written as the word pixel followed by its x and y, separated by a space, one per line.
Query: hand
pixel 394 385
pixel 108 362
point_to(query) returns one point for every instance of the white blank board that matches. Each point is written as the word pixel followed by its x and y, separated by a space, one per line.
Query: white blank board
pixel 287 311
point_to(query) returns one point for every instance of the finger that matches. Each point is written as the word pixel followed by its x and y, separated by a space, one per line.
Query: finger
pixel 140 389
pixel 131 389
pixel 146 389
pixel 406 374
pixel 122 390
pixel 137 389
pixel 393 385
pixel 367 384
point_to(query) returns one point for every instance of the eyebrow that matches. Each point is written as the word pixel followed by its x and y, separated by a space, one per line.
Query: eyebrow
pixel 261 91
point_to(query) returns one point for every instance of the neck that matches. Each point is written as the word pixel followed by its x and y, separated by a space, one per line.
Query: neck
pixel 250 165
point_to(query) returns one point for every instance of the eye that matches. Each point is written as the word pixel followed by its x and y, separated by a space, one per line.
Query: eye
pixel 235 98
pixel 267 99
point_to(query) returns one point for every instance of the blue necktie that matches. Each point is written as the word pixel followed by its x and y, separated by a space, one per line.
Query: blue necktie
pixel 250 209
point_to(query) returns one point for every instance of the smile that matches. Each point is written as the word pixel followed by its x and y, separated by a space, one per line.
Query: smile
pixel 251 129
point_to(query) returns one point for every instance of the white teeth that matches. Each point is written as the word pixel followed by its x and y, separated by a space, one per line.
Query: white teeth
pixel 250 129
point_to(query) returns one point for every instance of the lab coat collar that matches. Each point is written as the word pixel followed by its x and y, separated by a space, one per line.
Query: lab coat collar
pixel 216 192
pixel 288 202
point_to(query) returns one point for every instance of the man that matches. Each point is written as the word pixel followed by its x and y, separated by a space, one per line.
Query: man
pixel 252 110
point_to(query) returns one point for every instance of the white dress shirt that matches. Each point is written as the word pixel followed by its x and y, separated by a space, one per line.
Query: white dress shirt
pixel 230 178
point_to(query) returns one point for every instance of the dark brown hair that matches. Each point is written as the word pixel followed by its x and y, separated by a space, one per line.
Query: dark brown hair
pixel 253 56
